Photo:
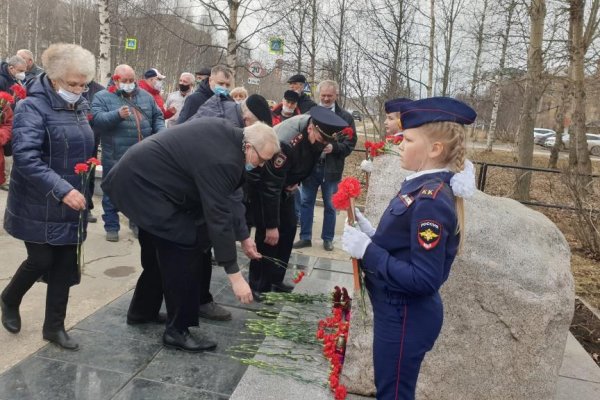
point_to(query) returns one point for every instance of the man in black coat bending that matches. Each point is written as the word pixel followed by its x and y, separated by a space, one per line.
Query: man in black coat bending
pixel 176 186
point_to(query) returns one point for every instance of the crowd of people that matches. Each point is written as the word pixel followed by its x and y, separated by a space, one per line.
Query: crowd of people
pixel 195 173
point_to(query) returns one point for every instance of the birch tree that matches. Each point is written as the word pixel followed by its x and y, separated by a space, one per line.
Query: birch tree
pixel 104 44
pixel 431 48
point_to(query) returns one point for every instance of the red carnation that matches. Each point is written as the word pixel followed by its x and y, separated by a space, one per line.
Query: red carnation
pixel 93 160
pixel 90 117
pixel 350 185
pixel 112 89
pixel 19 91
pixel 348 131
pixel 81 168
pixel 340 392
pixel 4 96
pixel 340 200
pixel 116 78
pixel 334 381
pixel 320 334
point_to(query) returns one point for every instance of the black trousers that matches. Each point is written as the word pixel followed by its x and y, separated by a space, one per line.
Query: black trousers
pixel 204 277
pixel 58 264
pixel 264 273
pixel 169 269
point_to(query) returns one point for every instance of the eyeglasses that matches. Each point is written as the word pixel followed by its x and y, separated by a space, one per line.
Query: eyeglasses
pixel 260 159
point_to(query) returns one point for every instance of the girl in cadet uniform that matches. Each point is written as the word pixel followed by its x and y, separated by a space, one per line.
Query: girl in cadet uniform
pixel 392 123
pixel 408 257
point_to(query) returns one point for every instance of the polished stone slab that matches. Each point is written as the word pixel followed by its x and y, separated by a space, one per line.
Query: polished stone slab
pixel 122 303
pixel 206 371
pixel 38 378
pixel 327 264
pixel 113 353
pixel 113 322
pixel 143 389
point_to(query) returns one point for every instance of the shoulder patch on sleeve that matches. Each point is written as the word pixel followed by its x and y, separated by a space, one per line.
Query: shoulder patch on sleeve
pixel 279 160
pixel 429 233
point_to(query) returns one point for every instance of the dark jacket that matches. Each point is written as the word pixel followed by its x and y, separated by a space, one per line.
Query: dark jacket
pixel 50 136
pixel 415 243
pixel 117 135
pixel 305 103
pixel 6 79
pixel 194 101
pixel 295 162
pixel 34 72
pixel 342 148
pixel 178 180
pixel 224 107
pixel 221 107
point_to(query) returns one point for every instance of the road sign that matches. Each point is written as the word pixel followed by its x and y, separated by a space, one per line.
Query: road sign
pixel 253 81
pixel 276 45
pixel 131 44
pixel 256 68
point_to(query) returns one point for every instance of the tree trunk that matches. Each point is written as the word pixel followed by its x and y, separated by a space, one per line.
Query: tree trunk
pixel 431 48
pixel 496 104
pixel 560 118
pixel 537 14
pixel 584 165
pixel 479 38
pixel 313 42
pixel 232 43
pixel 104 48
pixel 7 30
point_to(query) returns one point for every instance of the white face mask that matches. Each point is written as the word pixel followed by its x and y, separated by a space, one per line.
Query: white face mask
pixel 127 87
pixel 69 97
pixel 20 76
pixel 158 85
pixel 286 110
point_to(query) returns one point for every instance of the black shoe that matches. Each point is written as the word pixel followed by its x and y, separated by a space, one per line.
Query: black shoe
pixel 92 218
pixel 11 319
pixel 160 318
pixel 214 312
pixel 61 339
pixel 328 245
pixel 184 340
pixel 257 296
pixel 302 243
pixel 282 287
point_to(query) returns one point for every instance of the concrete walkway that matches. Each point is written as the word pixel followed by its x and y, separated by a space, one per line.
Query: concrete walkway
pixel 117 361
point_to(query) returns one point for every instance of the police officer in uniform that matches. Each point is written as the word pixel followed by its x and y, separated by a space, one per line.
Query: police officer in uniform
pixel 408 257
pixel 297 83
pixel 271 192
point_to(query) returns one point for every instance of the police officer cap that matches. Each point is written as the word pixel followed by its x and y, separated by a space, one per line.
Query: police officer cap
pixel 297 78
pixel 260 108
pixel 290 95
pixel 393 105
pixel 435 109
pixel 328 123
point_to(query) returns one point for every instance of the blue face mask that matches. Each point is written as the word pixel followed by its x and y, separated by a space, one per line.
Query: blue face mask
pixel 221 90
pixel 249 167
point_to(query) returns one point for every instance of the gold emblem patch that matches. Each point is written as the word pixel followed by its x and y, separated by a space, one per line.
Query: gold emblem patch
pixel 429 233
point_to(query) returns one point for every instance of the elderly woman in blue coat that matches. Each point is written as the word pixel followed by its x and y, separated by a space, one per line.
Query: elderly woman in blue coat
pixel 51 134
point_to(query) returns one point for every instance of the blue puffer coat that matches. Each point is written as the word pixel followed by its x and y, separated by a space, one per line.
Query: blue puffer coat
pixel 117 135
pixel 50 136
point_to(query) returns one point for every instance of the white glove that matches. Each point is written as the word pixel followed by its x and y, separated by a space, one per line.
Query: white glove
pixel 363 223
pixel 354 242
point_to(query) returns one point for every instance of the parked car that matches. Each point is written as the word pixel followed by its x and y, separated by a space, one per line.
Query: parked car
pixel 357 115
pixel 593 142
pixel 541 134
